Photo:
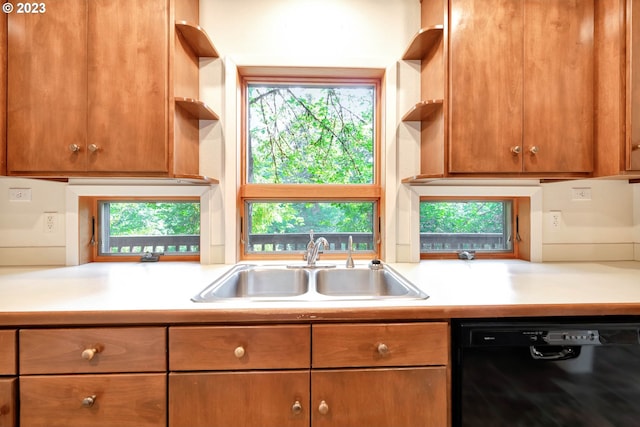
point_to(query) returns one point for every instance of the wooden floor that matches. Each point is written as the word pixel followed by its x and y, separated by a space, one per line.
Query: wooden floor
pixel 508 388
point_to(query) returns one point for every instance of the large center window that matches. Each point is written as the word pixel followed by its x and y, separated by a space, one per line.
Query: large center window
pixel 310 164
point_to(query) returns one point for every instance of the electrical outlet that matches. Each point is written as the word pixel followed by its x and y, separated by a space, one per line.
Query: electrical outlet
pixel 555 220
pixel 50 222
pixel 20 194
pixel 581 193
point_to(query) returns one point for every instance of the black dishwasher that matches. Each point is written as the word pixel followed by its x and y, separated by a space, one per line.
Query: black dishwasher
pixel 564 372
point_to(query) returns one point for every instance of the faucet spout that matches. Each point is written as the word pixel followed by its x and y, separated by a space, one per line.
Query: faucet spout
pixel 350 263
pixel 314 250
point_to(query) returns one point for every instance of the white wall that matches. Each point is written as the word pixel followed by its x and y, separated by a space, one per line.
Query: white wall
pixel 330 33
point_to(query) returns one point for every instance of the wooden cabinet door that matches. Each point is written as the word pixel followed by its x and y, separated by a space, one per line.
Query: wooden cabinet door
pixel 8 402
pixel 128 85
pixel 239 399
pixel 47 89
pixel 633 73
pixel 521 79
pixel 486 76
pixel 379 397
pixel 558 86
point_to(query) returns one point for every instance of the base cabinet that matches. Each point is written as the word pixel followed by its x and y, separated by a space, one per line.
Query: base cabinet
pixel 333 375
pixel 394 397
pixel 228 399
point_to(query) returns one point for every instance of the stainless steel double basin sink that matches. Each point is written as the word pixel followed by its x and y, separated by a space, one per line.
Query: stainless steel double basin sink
pixel 248 282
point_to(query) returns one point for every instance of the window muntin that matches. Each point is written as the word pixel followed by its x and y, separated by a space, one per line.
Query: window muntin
pixel 309 141
pixel 134 227
pixel 452 226
pixel 283 227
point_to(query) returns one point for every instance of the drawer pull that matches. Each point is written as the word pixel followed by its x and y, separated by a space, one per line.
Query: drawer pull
pixel 297 407
pixel 239 352
pixel 89 353
pixel 383 350
pixel 88 401
pixel 323 408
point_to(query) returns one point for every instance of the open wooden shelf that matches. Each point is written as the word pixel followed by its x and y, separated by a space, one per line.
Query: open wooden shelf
pixel 197 109
pixel 422 43
pixel 198 39
pixel 422 110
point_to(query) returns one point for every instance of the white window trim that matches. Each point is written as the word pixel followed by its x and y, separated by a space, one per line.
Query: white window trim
pixel 74 192
pixel 410 229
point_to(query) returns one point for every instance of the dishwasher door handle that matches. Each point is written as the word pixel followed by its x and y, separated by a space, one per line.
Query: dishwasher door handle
pixel 563 354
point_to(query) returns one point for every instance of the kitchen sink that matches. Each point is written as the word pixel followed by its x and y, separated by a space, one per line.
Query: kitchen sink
pixel 364 283
pixel 256 283
pixel 248 282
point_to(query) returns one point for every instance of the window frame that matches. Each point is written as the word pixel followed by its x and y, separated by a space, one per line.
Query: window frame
pixel 520 226
pixel 249 192
pixel 92 203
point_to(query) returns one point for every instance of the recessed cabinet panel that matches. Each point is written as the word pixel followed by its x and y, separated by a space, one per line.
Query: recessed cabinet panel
pixel 133 400
pixel 240 399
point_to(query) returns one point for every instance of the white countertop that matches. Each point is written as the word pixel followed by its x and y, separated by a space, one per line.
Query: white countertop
pixel 452 286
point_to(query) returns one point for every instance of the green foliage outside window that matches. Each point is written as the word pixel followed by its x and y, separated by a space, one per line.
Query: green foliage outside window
pixel 462 217
pixel 154 218
pixel 310 134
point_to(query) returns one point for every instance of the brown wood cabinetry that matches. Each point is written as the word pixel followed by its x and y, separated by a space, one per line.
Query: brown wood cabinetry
pixel 8 365
pixel 520 91
pixel 618 89
pixel 92 376
pixel 347 391
pixel 299 375
pixel 250 387
pixel 90 91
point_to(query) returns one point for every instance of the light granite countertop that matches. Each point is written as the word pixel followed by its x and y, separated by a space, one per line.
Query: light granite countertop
pixel 108 293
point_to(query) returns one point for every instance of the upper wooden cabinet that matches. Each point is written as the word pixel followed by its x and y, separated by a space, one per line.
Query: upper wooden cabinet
pixel 91 87
pixel 519 100
pixel 617 88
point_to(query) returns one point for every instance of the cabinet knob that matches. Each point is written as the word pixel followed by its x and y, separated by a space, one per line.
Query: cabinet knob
pixel 635 147
pixel 296 408
pixel 323 408
pixel 383 350
pixel 88 401
pixel 74 148
pixel 515 150
pixel 533 150
pixel 89 353
pixel 239 352
pixel 93 148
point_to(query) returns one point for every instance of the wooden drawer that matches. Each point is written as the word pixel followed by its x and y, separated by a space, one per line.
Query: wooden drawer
pixel 239 347
pixel 92 350
pixel 8 352
pixel 393 344
pixel 8 402
pixel 123 400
